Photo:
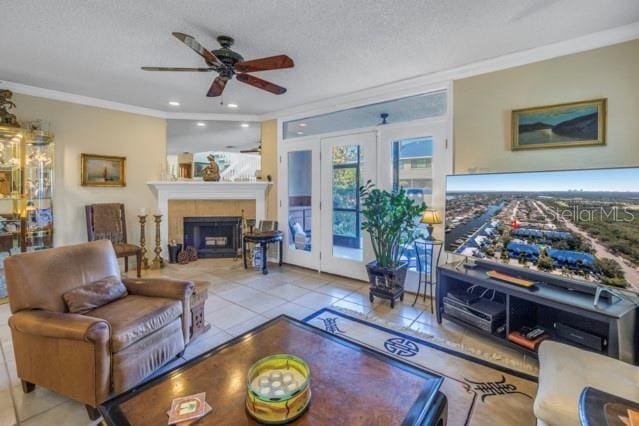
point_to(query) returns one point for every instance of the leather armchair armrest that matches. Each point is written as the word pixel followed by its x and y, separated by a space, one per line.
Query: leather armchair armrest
pixel 67 353
pixel 159 287
pixel 168 288
pixel 61 325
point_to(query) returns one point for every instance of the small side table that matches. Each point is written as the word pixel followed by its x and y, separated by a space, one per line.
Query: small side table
pixel 198 299
pixel 427 267
pixel 599 408
pixel 263 239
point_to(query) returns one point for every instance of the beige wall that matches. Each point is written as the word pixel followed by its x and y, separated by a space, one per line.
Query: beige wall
pixel 482 106
pixel 269 165
pixel 82 129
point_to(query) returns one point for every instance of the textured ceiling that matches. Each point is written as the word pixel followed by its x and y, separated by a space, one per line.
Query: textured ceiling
pixel 187 136
pixel 95 48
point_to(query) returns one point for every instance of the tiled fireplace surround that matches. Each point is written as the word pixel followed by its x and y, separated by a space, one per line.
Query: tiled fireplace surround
pixel 180 199
pixel 179 209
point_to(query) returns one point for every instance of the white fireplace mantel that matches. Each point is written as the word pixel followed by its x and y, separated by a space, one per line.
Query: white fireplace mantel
pixel 200 190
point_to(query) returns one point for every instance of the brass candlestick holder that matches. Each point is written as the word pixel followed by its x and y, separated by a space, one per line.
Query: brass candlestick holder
pixel 144 258
pixel 158 262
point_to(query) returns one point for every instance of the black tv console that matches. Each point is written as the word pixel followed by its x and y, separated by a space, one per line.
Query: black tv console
pixel 549 303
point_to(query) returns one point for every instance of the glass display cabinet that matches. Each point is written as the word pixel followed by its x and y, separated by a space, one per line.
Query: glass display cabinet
pixel 26 179
pixel 37 208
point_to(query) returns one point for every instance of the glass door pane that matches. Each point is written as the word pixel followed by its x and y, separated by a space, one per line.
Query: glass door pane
pixel 300 173
pixel 413 168
pixel 347 164
pixel 412 160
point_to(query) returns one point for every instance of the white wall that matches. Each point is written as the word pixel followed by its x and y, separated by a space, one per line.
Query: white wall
pixel 82 129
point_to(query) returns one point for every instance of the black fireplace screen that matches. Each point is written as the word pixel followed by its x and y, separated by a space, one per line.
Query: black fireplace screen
pixel 217 236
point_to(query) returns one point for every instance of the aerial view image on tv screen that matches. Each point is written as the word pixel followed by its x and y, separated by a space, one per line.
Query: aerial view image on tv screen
pixel 581 224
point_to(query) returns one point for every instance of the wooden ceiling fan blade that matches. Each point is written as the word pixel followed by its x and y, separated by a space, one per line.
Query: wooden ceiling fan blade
pixel 177 69
pixel 257 150
pixel 261 84
pixel 265 64
pixel 217 87
pixel 210 58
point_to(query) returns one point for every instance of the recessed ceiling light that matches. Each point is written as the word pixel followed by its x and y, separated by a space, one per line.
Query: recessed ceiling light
pixel 300 133
pixel 302 124
pixel 200 124
pixel 232 105
pixel 174 103
pixel 245 125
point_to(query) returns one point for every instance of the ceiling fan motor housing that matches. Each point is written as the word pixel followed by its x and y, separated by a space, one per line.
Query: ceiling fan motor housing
pixel 227 56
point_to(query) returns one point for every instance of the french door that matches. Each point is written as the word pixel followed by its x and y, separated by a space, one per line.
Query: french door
pixel 299 196
pixel 418 161
pixel 320 210
pixel 347 162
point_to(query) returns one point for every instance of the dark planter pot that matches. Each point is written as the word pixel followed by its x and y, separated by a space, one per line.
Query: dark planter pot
pixel 173 252
pixel 387 283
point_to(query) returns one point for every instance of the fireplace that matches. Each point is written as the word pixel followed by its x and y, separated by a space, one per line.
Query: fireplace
pixel 217 236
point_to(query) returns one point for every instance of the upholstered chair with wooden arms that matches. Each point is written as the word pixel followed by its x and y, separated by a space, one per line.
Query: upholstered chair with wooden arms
pixel 109 347
pixel 107 221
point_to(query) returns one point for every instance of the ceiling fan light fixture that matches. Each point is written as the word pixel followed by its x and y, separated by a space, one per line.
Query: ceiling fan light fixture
pixel 174 103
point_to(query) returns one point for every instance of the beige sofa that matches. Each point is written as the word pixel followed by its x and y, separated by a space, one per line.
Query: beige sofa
pixel 564 371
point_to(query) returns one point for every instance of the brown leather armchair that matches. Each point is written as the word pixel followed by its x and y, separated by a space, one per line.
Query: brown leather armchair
pixel 104 352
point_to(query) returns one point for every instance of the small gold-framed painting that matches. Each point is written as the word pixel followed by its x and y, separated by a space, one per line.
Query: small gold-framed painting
pixel 103 170
pixel 558 126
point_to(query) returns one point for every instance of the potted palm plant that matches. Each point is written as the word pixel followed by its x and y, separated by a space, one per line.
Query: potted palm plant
pixel 390 218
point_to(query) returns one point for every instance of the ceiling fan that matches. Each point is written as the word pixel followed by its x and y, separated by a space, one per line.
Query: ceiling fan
pixel 228 63
pixel 256 150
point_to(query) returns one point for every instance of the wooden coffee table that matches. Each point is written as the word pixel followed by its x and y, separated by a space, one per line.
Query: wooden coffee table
pixel 350 384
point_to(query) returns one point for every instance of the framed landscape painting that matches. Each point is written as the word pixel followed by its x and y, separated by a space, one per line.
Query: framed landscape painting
pixel 559 126
pixel 103 170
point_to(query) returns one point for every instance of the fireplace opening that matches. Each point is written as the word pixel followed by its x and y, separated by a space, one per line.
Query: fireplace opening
pixel 216 236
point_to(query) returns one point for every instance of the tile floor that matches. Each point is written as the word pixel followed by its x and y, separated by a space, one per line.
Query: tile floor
pixel 238 301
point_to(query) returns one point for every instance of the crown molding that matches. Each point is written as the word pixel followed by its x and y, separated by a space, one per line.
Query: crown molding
pixel 56 95
pixel 206 116
pixel 414 85
pixel 439 79
pixel 40 92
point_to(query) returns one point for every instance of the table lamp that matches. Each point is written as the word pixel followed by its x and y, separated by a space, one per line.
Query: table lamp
pixel 431 217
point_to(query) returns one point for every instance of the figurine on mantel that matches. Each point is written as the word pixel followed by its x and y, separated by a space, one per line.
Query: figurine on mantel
pixel 211 173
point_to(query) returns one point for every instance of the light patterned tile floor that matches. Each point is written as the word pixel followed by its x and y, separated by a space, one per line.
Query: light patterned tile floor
pixel 238 301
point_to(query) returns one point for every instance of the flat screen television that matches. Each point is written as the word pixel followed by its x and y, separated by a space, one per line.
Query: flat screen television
pixel 581 224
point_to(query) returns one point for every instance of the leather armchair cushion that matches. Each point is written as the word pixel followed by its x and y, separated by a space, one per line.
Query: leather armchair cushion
pixel 135 363
pixel 82 299
pixel 135 317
